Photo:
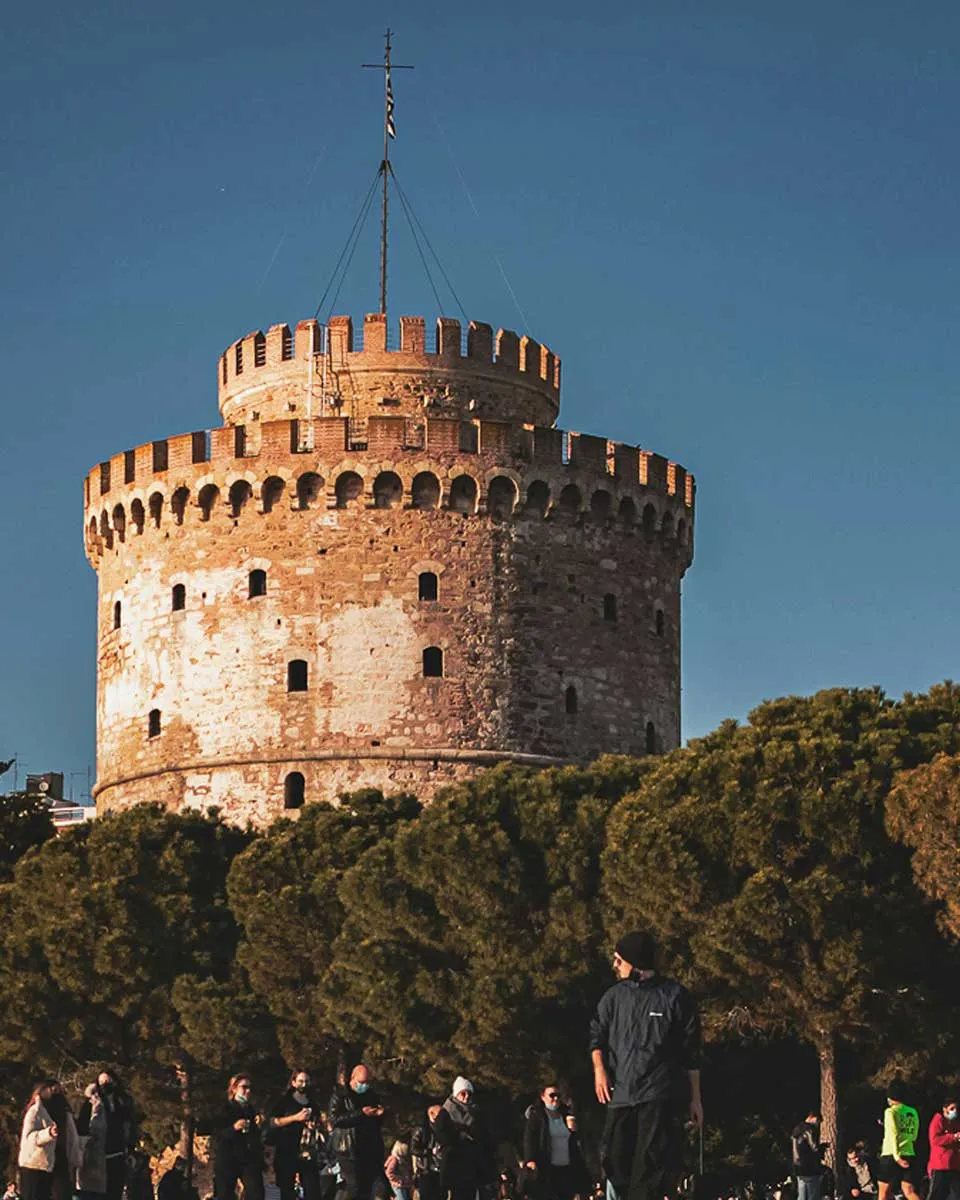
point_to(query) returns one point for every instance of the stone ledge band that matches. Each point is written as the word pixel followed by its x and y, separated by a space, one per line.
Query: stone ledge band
pixel 481 757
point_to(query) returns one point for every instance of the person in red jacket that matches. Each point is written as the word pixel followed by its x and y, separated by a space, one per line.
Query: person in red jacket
pixel 944 1165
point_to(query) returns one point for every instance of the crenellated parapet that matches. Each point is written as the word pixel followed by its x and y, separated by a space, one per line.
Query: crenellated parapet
pixel 316 371
pixel 471 467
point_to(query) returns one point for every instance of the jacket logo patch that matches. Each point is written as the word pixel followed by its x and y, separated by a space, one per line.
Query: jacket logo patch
pixel 653 1014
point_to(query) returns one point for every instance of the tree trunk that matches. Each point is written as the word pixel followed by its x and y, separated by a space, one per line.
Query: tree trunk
pixel 829 1111
pixel 187 1122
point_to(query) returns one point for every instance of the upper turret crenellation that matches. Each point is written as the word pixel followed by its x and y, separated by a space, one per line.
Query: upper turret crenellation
pixel 314 371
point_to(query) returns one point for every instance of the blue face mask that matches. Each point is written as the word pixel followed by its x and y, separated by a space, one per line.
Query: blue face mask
pixel 550 1107
pixel 360 1088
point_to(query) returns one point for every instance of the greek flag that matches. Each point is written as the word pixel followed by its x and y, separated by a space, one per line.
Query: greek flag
pixel 391 127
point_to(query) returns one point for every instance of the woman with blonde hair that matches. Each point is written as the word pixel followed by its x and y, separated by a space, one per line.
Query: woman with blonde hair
pixel 238 1154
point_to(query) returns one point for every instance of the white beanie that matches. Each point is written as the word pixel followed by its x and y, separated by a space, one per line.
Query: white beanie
pixel 462 1085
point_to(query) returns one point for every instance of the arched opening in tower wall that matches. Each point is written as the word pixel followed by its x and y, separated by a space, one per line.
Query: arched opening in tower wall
pixel 297 675
pixel 348 488
pixel 294 787
pixel 387 490
pixel 425 491
pixel 427 586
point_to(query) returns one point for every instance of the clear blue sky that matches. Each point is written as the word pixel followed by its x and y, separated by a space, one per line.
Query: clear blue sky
pixel 737 224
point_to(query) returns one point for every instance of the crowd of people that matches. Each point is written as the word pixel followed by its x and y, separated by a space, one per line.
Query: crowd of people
pixel 644 1046
pixel 644 1042
pixel 898 1170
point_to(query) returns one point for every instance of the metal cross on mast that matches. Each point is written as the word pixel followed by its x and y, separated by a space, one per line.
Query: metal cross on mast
pixel 389 131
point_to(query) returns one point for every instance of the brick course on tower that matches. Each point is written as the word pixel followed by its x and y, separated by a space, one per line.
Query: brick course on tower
pixel 388 568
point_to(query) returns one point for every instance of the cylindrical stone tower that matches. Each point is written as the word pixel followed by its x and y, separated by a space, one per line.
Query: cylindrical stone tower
pixel 388 568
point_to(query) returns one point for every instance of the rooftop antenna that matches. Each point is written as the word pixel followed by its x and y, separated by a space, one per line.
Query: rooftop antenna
pixel 389 131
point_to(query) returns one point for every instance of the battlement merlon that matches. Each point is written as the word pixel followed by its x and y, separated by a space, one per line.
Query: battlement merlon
pixel 301 373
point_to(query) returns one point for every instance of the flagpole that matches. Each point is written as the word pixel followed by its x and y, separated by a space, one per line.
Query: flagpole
pixel 389 131
pixel 385 171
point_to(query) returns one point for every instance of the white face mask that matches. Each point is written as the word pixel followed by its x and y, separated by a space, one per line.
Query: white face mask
pixel 950 1114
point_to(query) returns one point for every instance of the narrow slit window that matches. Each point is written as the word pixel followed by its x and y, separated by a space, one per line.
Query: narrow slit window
pixel 660 622
pixel 428 586
pixel 651 738
pixel 117 614
pixel 433 663
pixel 153 723
pixel 610 607
pixel 178 597
pixel 293 790
pixel 570 700
pixel 257 584
pixel 297 675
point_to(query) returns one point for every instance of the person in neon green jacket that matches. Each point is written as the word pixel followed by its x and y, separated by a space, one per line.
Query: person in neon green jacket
pixel 897 1165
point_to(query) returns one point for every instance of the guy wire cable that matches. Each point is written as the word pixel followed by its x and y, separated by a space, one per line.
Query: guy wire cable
pixel 416 242
pixel 436 259
pixel 357 224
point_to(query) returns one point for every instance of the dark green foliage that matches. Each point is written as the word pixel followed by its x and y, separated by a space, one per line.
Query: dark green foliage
pixel 471 939
pixel 97 927
pixel 24 823
pixel 923 811
pixel 285 893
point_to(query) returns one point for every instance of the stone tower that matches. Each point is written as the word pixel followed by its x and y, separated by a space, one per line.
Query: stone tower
pixel 388 567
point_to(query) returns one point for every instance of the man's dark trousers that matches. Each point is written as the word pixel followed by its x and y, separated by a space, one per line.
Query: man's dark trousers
pixel 643 1148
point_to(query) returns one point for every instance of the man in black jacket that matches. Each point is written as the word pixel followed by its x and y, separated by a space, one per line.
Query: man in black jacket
pixel 356 1139
pixel 645 1048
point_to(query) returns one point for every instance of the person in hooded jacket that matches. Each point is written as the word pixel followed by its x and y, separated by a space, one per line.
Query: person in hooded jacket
pixel 944 1164
pixel 356 1137
pixel 645 1050
pixel 467 1157
pixel 92 1128
pixel 49 1150
pixel 238 1144
pixel 551 1149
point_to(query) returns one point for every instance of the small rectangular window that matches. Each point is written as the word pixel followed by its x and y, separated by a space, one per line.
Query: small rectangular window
pixel 129 466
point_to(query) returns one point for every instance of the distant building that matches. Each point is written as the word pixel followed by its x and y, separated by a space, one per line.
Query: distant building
pixel 49 787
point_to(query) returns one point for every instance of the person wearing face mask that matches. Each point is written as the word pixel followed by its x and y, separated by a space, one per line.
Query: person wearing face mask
pixel 944 1164
pixel 293 1131
pixel 468 1163
pixel 356 1138
pixel 238 1144
pixel 645 1050
pixel 551 1149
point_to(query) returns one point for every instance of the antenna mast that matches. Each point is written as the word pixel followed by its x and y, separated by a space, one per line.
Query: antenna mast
pixel 389 131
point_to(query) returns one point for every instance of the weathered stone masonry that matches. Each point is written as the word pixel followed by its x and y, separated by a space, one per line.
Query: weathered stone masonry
pixel 459 581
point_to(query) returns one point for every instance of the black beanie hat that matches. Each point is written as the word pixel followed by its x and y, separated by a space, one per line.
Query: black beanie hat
pixel 638 949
